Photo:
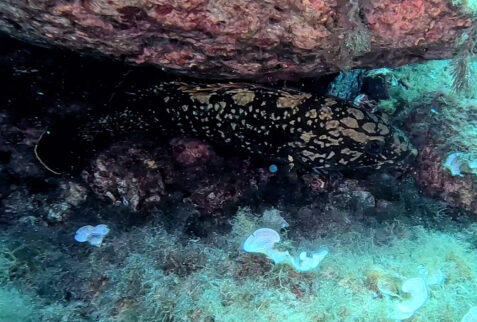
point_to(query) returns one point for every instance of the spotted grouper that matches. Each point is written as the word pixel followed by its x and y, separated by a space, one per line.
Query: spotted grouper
pixel 280 125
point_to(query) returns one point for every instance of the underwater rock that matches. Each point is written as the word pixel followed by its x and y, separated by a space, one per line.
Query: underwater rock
pixel 127 175
pixel 376 84
pixel 350 196
pixel 248 39
pixel 71 195
pixel 130 175
pixel 16 142
pixel 210 199
pixel 190 151
pixel 48 202
pixel 437 181
pixel 315 182
pixel 209 182
pixel 18 132
pixel 347 84
pixel 57 212
pixel 24 164
pixel 215 187
pixel 359 202
pixel 20 203
pixel 183 263
pixel 373 90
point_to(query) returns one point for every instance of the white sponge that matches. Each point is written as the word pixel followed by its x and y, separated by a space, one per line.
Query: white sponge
pixel 418 294
pixel 92 234
pixel 263 241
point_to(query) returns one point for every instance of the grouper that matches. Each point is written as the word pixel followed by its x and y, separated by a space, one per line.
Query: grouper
pixel 283 126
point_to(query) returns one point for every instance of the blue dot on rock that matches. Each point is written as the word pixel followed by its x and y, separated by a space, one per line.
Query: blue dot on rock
pixel 273 168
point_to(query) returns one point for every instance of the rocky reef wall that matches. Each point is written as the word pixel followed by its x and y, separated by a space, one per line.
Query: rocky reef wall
pixel 261 40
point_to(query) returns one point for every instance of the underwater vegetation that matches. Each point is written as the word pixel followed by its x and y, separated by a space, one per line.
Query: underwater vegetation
pixel 149 274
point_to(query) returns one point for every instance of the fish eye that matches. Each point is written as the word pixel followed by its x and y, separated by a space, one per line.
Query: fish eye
pixel 374 147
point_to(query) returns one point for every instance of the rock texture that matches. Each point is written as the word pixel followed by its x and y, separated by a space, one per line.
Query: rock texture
pixel 269 39
pixel 438 182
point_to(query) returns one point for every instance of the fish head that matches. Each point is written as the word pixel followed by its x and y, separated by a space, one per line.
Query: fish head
pixel 392 149
pixel 351 138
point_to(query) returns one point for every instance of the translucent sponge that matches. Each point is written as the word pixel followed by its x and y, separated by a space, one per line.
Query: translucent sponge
pixel 263 240
pixel 459 163
pixel 92 234
pixel 418 294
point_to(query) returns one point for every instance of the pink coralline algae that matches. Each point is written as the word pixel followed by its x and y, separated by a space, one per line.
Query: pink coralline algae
pixel 190 151
pixel 244 39
pixel 315 182
pixel 437 181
